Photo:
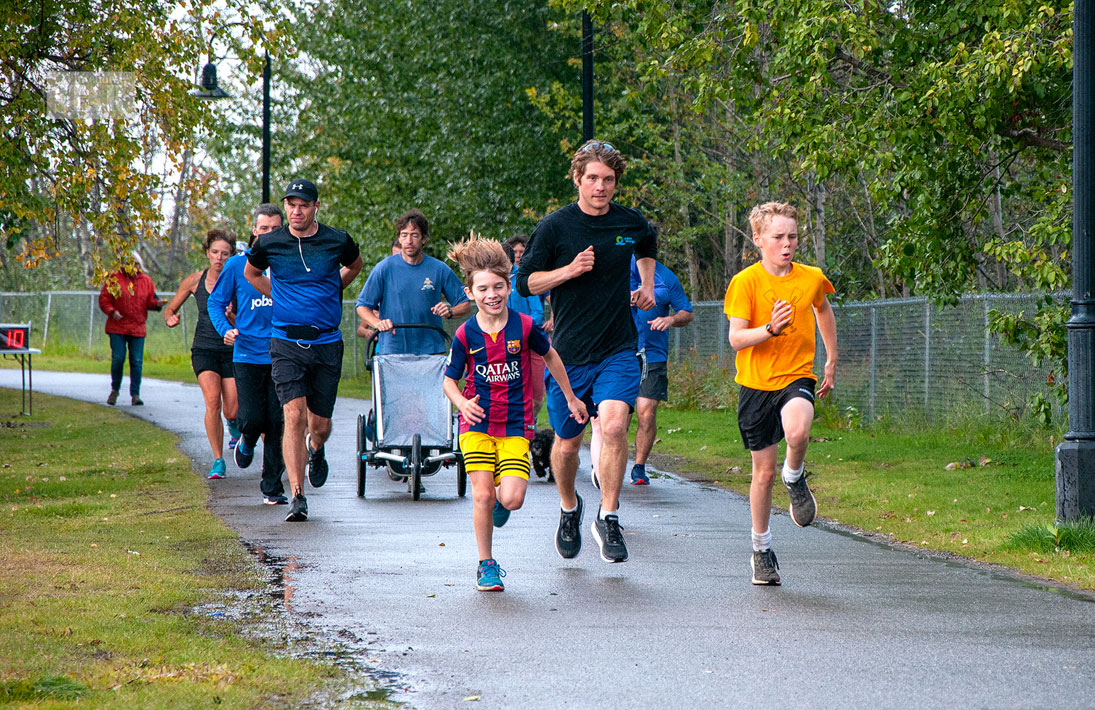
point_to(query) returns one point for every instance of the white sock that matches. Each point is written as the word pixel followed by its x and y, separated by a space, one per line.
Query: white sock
pixel 572 510
pixel 602 513
pixel 790 475
pixel 762 541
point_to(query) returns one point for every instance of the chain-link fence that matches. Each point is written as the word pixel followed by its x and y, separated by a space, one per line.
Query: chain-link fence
pixel 896 356
pixel 908 355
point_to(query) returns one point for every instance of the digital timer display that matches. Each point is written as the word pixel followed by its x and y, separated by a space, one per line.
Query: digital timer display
pixel 14 337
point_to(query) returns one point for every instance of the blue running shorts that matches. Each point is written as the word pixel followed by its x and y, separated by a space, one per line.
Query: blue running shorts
pixel 616 377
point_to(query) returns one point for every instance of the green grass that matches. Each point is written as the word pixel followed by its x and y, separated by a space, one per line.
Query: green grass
pixel 895 482
pixel 109 563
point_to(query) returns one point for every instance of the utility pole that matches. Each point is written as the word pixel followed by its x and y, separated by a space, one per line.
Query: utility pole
pixel 587 77
pixel 1076 455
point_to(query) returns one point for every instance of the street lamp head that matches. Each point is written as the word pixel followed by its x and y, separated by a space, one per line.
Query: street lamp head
pixel 209 89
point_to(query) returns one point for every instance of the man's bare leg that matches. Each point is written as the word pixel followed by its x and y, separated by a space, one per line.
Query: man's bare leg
pixel 615 417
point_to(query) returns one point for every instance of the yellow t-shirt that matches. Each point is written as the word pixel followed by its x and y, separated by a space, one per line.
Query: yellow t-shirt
pixel 777 362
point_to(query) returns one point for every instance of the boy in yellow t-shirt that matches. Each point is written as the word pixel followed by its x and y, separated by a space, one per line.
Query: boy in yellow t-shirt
pixel 773 306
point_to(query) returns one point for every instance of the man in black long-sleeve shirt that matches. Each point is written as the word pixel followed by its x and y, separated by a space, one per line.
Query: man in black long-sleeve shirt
pixel 582 254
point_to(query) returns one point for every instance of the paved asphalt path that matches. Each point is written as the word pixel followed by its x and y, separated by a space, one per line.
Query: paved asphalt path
pixel 855 624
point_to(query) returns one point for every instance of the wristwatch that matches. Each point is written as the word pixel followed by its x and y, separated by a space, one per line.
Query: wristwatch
pixel 768 327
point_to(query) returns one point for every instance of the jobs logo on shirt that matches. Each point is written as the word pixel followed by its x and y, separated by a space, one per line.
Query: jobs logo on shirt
pixel 427 285
pixel 513 346
pixel 622 241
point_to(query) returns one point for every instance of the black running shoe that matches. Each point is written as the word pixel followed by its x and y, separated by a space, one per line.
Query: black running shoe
pixel 317 464
pixel 764 568
pixel 803 505
pixel 568 538
pixel 244 454
pixel 298 509
pixel 607 534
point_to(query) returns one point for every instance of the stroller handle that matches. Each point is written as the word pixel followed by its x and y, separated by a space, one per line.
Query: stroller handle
pixel 370 344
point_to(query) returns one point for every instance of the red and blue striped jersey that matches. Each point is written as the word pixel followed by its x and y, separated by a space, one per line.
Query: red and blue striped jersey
pixel 498 368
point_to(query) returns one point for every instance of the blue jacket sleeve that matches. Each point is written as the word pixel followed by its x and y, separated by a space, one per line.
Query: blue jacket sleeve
pixel 222 294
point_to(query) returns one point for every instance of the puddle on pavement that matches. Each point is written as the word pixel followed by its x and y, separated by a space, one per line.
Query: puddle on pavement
pixel 282 570
pixel 343 648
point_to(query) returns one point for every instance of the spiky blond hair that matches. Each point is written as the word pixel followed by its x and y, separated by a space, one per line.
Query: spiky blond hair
pixel 476 253
pixel 761 215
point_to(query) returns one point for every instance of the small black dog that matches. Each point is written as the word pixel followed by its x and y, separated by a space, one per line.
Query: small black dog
pixel 540 452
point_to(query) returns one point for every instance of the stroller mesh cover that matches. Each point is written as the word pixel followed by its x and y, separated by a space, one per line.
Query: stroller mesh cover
pixel 412 400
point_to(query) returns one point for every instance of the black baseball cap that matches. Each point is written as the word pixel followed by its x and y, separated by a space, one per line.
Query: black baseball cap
pixel 304 189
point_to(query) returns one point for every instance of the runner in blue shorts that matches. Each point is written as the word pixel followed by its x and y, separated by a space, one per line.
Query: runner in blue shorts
pixel 582 254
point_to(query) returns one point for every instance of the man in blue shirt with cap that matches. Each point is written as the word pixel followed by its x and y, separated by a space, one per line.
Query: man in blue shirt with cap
pixel 310 263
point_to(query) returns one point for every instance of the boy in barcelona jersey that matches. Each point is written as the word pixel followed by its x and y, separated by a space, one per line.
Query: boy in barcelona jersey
pixel 492 352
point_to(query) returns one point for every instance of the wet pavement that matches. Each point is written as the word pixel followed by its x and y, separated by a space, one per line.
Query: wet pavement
pixel 855 624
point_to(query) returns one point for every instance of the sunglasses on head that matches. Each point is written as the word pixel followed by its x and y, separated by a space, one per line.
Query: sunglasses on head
pixel 595 145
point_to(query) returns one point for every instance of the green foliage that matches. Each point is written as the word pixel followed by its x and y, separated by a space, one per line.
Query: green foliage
pixel 1074 536
pixel 90 188
pixel 395 105
pixel 935 137
pixel 702 384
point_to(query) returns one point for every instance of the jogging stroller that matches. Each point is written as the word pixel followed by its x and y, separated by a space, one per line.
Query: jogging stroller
pixel 411 429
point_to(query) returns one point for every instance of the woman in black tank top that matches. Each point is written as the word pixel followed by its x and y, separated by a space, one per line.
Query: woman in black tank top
pixel 211 358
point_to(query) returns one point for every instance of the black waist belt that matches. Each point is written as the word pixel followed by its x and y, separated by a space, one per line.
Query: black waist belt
pixel 306 332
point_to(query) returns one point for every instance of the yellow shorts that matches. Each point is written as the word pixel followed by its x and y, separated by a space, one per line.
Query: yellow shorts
pixel 501 455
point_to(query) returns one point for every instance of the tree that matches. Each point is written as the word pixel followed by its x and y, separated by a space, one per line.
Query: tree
pixel 939 132
pixel 394 105
pixel 89 177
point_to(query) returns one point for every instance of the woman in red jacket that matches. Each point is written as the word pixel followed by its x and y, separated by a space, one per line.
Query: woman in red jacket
pixel 126 298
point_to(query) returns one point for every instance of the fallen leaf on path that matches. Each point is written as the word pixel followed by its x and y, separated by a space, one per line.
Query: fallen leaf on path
pixel 1024 507
pixel 471 699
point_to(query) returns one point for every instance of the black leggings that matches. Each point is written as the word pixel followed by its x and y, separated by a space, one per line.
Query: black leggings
pixel 260 413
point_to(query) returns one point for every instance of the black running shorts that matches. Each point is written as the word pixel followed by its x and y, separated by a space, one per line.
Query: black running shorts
pixel 656 383
pixel 759 412
pixel 310 371
pixel 218 361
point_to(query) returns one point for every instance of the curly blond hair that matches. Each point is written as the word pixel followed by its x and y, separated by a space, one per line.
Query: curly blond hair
pixel 761 215
pixel 476 253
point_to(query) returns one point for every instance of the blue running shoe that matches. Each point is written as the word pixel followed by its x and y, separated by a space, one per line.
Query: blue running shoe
pixel 217 472
pixel 275 500
pixel 244 454
pixel 233 434
pixel 500 514
pixel 489 577
pixel 638 475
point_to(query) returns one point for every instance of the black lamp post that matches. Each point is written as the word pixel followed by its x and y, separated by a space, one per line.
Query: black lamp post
pixel 209 91
pixel 1076 456
pixel 587 77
